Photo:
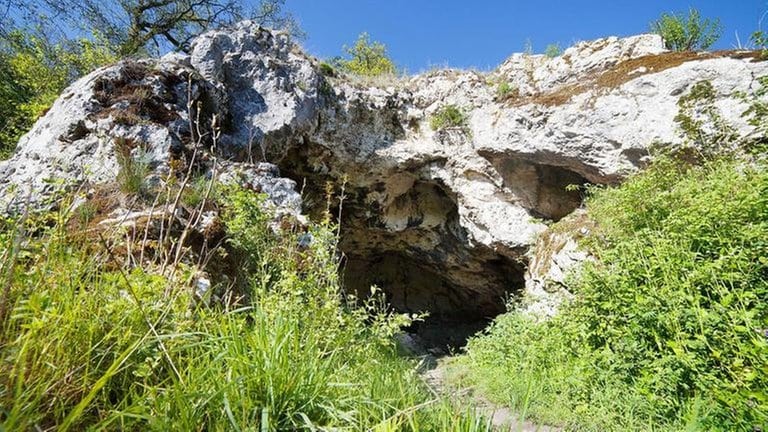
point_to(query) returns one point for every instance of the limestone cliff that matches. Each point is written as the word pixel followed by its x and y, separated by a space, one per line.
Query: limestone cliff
pixel 443 220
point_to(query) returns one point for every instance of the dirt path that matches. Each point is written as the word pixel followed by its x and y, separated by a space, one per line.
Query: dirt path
pixel 503 419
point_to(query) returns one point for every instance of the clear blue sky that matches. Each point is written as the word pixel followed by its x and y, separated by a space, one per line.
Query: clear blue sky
pixel 466 33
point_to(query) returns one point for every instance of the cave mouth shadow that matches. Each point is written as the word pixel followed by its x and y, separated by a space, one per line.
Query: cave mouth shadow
pixel 547 191
pixel 455 311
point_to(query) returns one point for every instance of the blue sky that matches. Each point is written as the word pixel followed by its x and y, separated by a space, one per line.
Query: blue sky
pixel 422 33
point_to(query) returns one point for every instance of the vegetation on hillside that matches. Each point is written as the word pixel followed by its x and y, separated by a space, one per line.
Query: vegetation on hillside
pixel 90 341
pixel 668 329
pixel 687 33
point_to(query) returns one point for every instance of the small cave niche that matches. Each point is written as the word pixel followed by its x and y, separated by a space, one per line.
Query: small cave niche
pixel 541 188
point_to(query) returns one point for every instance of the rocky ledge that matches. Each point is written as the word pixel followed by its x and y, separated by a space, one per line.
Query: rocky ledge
pixel 443 220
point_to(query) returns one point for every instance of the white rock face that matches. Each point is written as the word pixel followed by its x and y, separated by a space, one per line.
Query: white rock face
pixel 268 88
pixel 554 257
pixel 537 73
pixel 442 220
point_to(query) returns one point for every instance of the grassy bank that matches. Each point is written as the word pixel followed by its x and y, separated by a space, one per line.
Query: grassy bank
pixel 90 343
pixel 668 327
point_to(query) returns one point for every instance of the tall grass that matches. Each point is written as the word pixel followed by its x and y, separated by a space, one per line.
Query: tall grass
pixel 88 344
pixel 668 329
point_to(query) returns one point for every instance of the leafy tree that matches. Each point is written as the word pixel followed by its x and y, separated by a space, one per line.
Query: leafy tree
pixel 33 71
pixel 148 26
pixel 367 58
pixel 681 33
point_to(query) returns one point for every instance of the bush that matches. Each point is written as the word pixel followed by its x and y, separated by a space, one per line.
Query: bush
pixel 506 91
pixel 760 41
pixel 553 50
pixel 667 330
pixel 681 33
pixel 448 116
pixel 367 58
pixel 327 70
pixel 87 344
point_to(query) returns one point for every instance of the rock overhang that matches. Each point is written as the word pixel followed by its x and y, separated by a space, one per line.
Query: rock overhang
pixel 442 220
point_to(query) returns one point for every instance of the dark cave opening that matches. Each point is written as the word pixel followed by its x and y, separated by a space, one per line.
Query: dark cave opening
pixel 543 189
pixel 455 310
pixel 403 235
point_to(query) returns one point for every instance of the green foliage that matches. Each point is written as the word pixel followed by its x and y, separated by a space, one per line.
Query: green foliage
pixel 200 190
pixel 133 170
pixel 760 40
pixel 681 33
pixel 701 122
pixel 367 58
pixel 327 70
pixel 448 116
pixel 553 50
pixel 88 346
pixel 33 72
pixel 505 90
pixel 668 328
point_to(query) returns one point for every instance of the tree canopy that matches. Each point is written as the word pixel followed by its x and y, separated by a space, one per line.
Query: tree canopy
pixel 140 26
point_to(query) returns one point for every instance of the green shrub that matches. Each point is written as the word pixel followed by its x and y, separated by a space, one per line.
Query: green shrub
pixel 448 116
pixel 667 330
pixel 88 345
pixel 553 50
pixel 367 58
pixel 506 91
pixel 681 33
pixel 760 40
pixel 327 70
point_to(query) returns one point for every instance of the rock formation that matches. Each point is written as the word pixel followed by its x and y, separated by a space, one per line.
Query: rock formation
pixel 441 220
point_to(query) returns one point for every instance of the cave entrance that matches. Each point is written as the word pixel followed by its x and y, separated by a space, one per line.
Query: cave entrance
pixel 403 234
pixel 455 310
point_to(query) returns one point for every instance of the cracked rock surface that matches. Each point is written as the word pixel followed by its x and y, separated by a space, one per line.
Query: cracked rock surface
pixel 441 220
